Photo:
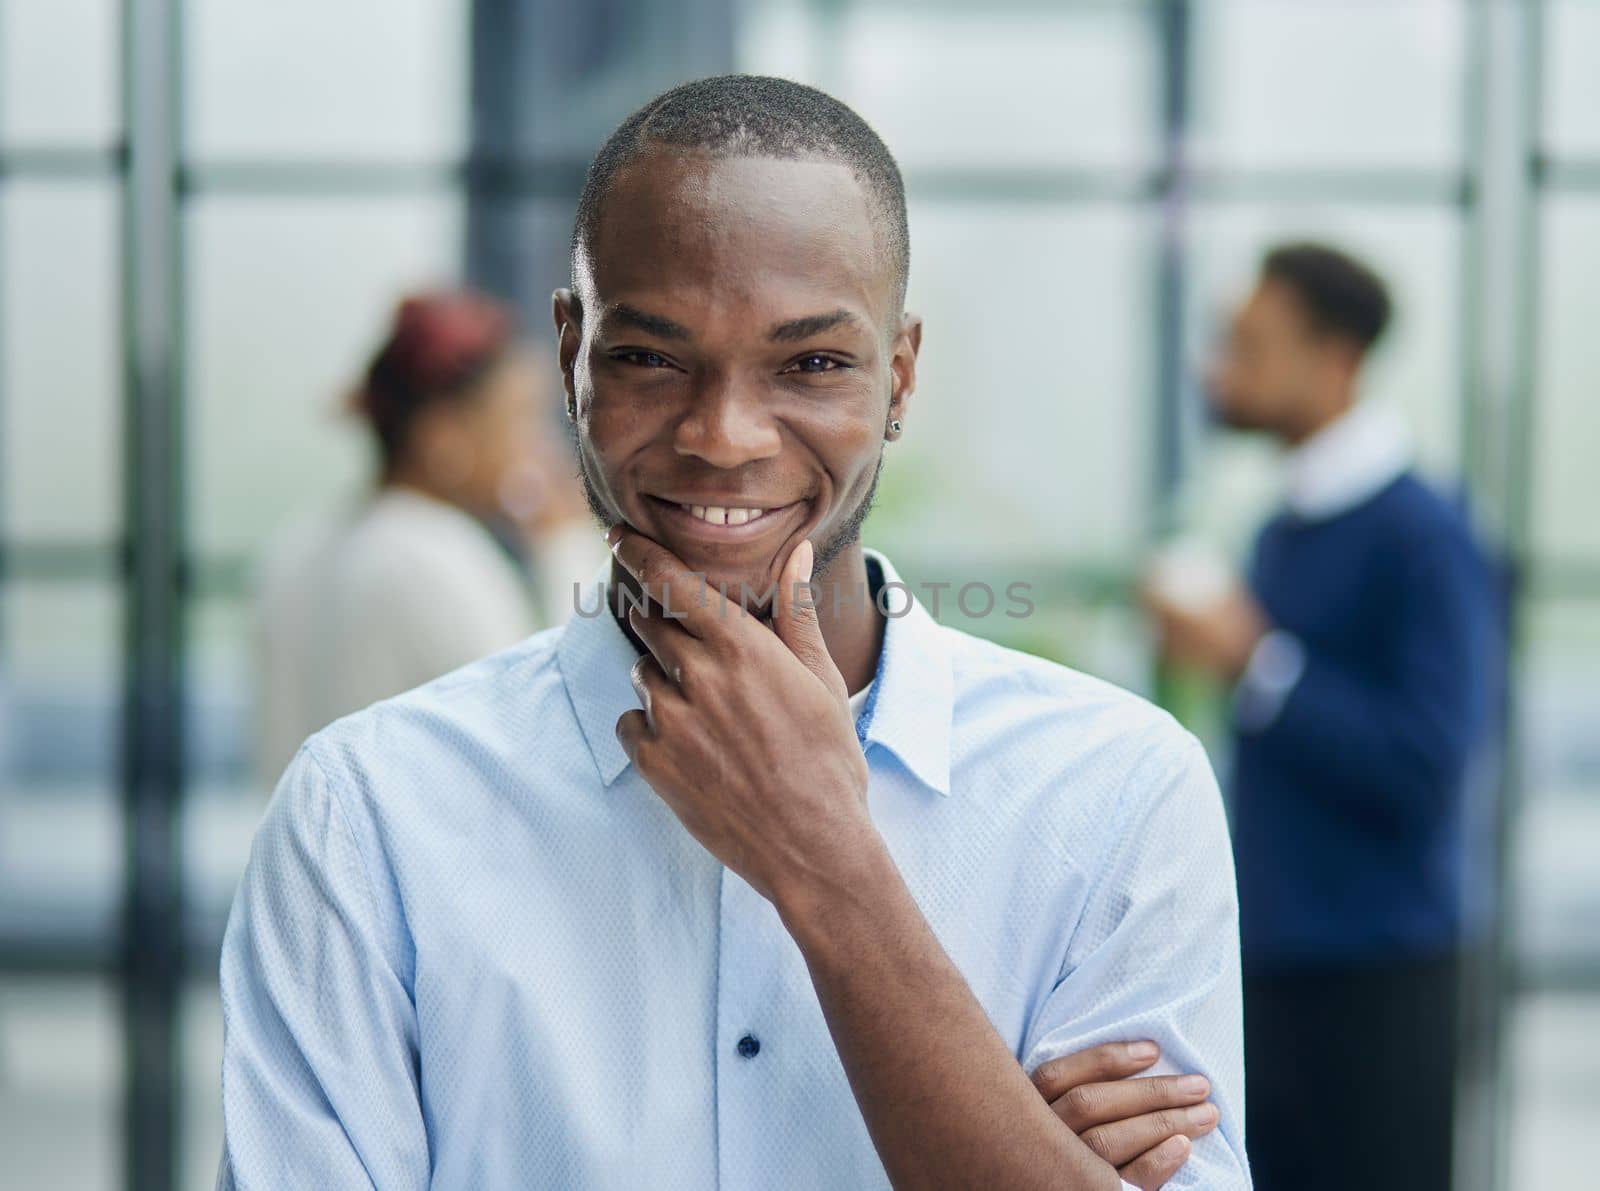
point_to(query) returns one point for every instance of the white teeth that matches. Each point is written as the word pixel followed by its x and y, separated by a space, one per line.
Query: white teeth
pixel 718 515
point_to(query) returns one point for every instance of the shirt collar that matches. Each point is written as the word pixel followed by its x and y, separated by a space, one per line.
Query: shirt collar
pixel 1350 459
pixel 908 709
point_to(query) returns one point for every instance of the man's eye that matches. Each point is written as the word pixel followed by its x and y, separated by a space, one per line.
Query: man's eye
pixel 642 358
pixel 817 364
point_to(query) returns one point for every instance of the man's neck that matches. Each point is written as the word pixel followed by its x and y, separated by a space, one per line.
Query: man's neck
pixel 1330 413
pixel 847 612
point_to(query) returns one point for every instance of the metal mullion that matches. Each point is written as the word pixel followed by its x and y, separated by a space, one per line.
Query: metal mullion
pixel 1568 579
pixel 64 163
pixel 149 944
pixel 3 427
pixel 1516 472
pixel 1174 19
pixel 1050 185
pixel 89 957
pixel 59 561
pixel 1380 186
pixel 1480 1035
pixel 1568 175
pixel 496 177
pixel 316 178
pixel 1166 434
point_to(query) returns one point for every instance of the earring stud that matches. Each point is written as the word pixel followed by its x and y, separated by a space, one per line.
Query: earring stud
pixel 894 425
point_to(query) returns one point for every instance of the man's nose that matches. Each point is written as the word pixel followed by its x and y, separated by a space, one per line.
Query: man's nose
pixel 728 424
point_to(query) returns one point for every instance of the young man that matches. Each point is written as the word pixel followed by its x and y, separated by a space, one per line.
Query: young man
pixel 651 900
pixel 1364 648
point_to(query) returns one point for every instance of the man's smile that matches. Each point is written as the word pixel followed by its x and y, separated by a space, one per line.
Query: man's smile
pixel 706 517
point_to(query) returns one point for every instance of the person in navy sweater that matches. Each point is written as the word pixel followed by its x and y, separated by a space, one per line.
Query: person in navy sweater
pixel 1363 648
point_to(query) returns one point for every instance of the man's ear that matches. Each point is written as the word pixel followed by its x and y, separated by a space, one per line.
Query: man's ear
pixel 903 365
pixel 567 310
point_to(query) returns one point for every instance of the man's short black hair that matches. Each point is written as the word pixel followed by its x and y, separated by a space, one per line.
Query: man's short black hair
pixel 1341 295
pixel 747 115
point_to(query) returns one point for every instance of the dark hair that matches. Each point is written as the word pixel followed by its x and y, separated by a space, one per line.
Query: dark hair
pixel 746 115
pixel 1341 295
pixel 439 346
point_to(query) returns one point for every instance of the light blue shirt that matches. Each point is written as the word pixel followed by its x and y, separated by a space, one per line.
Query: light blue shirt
pixel 473 949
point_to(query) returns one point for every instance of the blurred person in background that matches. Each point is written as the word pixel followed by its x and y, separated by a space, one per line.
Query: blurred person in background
pixel 431 568
pixel 1361 651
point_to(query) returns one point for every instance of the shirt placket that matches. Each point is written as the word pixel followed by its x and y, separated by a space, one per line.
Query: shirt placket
pixel 749 1037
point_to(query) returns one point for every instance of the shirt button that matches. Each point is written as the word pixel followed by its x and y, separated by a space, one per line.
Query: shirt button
pixel 749 1046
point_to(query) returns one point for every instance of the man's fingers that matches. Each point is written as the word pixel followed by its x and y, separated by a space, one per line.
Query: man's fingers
pixel 1152 1169
pixel 1098 1064
pixel 1099 1103
pixel 657 694
pixel 632 729
pixel 1124 1141
pixel 794 617
pixel 640 674
pixel 666 639
pixel 683 595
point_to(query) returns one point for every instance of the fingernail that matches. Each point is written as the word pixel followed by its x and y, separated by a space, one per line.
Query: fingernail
pixel 1193 1085
pixel 1143 1050
pixel 810 559
pixel 614 534
pixel 1174 1148
pixel 1203 1114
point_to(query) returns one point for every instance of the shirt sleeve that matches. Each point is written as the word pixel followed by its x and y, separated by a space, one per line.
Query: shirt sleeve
pixel 320 1070
pixel 1155 953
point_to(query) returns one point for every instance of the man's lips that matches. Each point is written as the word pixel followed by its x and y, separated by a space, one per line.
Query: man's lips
pixel 702 517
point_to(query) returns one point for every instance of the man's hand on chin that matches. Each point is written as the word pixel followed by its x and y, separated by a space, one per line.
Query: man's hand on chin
pixel 745 731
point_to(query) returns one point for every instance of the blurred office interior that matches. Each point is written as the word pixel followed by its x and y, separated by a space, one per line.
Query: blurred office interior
pixel 208 208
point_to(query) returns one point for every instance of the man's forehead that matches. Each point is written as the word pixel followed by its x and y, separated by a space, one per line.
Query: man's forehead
pixel 746 228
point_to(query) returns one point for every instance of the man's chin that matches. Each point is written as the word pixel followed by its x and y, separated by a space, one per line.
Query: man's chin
pixel 750 588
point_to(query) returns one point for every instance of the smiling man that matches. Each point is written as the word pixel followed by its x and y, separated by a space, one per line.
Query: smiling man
pixel 758 877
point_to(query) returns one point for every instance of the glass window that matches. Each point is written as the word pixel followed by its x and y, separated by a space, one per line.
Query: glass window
pixel 1034 374
pixel 60 831
pixel 361 80
pixel 60 379
pixel 1566 416
pixel 287 298
pixel 1572 78
pixel 224 800
pixel 1554 1052
pixel 60 1083
pixel 950 87
pixel 1557 883
pixel 532 256
pixel 1417 368
pixel 59 73
pixel 1326 83
pixel 200 1056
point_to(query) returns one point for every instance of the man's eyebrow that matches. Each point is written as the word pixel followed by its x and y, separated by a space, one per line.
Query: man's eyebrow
pixel 811 324
pixel 651 324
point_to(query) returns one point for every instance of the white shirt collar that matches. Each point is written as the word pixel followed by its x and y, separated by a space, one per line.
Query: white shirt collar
pixel 1349 460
